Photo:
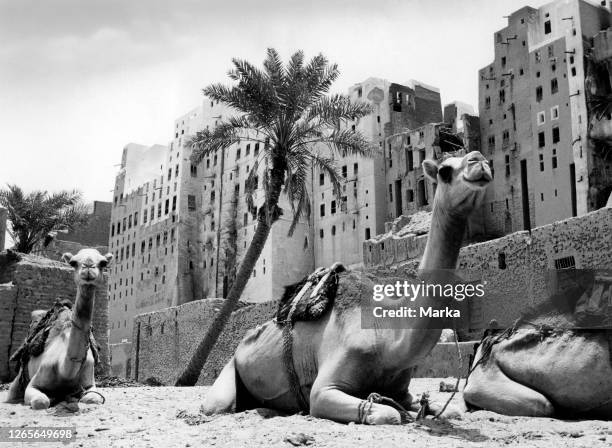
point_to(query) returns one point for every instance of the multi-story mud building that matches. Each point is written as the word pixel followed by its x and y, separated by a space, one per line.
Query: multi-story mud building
pixel 534 115
pixel 342 225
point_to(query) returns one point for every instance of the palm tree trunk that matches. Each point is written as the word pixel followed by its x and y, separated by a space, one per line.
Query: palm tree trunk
pixel 191 373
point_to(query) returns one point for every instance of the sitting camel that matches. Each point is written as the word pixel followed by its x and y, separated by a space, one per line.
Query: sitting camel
pixel 63 365
pixel 333 363
pixel 548 364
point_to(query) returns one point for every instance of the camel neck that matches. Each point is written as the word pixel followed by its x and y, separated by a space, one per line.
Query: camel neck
pixel 78 341
pixel 444 241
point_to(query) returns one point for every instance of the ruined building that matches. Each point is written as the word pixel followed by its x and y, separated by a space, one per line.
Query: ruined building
pixel 535 116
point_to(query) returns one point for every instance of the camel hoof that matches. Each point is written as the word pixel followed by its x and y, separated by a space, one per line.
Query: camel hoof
pixel 452 413
pixel 91 399
pixel 383 415
pixel 39 403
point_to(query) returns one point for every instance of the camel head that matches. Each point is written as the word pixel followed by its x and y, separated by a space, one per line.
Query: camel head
pixel 88 266
pixel 462 182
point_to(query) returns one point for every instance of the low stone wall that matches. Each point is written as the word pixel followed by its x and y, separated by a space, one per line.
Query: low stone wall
pixel 28 283
pixel 164 340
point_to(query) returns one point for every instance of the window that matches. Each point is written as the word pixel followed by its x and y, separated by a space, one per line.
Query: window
pixel 554 113
pixel 367 233
pixel 355 169
pixel 390 193
pixel 503 61
pixel 541 118
pixel 343 203
pixel 237 153
pixel 501 260
pixel 191 203
pixel 491 142
pixel 321 233
pixel 322 210
pixel 245 219
pixel 247 150
pixel 176 170
pixel 554 86
pixel 409 160
pixel 333 207
pixel 506 137
pixel 152 213
pixel 410 195
pixel 159 211
pixel 541 139
pixel 333 230
pixel 554 159
pixel 488 102
pixel 502 96
pixel 322 179
pixel 573 71
pixel 194 170
pixel 538 56
pixel 565 263
pixel 555 135
pixel 539 93
pixel 169 176
pixel 507 163
pixel 113 230
pixel 256 150
pixel 167 207
pixel 344 171
pixel 135 218
pixel 547 27
pixel 541 162
pixel 173 203
pixel 492 169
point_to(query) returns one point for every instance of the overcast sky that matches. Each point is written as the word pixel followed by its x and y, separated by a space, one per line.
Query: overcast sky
pixel 80 79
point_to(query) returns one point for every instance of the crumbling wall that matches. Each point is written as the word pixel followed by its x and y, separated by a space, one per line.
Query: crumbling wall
pixel 30 283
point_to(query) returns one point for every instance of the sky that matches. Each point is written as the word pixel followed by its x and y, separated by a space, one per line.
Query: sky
pixel 81 79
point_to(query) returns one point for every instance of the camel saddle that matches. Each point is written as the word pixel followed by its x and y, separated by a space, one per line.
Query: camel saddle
pixel 310 298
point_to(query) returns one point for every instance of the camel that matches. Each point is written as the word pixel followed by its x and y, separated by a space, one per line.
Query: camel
pixel 333 363
pixel 65 368
pixel 552 362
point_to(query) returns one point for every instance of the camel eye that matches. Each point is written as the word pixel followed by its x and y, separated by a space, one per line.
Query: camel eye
pixel 446 173
pixel 73 263
pixel 103 264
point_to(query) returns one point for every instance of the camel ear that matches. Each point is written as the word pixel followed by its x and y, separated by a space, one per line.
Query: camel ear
pixel 107 259
pixel 67 257
pixel 430 168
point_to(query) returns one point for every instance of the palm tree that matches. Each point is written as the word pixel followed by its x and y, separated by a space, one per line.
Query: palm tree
pixel 34 217
pixel 288 111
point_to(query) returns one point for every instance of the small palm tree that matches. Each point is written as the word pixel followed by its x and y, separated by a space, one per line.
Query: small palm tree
pixel 35 216
pixel 288 111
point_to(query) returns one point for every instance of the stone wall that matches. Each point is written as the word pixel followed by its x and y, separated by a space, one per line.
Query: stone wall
pixel 28 283
pixel 164 340
pixel 517 268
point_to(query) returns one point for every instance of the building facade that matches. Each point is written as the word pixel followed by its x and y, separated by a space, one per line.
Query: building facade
pixel 342 225
pixel 534 116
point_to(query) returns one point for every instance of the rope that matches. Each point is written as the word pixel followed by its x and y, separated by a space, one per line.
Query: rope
pixel 92 392
pixel 363 410
pixel 458 376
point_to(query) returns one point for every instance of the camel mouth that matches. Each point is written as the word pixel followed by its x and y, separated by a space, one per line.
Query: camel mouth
pixel 482 181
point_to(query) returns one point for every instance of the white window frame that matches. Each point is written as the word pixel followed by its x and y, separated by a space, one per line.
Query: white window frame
pixel 554 110
pixel 541 118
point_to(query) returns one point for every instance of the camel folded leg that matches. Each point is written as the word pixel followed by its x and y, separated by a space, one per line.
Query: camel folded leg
pixel 221 397
pixel 491 389
pixel 35 398
pixel 89 385
pixel 327 400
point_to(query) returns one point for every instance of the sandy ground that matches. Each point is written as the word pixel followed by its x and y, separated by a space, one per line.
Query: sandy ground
pixel 169 417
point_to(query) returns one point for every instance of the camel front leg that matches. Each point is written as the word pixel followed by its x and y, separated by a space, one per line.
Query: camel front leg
pixel 221 397
pixel 327 400
pixel 35 398
pixel 88 382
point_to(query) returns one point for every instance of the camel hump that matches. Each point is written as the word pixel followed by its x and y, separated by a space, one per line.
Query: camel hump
pixel 311 297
